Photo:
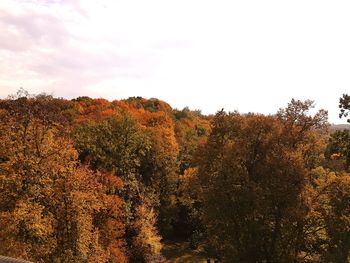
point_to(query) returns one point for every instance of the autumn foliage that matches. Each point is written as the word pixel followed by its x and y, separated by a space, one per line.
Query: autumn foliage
pixel 89 180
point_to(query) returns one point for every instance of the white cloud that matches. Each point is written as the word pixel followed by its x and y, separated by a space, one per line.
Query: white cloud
pixel 245 55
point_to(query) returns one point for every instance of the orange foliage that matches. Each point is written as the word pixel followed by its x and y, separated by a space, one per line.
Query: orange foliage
pixel 95 109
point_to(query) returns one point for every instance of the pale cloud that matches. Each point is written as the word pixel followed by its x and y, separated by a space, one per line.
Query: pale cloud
pixel 246 55
pixel 40 50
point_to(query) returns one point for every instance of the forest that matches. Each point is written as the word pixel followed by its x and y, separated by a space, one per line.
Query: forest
pixel 91 180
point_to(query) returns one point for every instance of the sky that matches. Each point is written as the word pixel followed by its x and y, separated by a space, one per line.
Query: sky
pixel 250 56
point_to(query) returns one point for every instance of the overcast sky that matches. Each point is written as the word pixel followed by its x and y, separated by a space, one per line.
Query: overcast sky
pixel 239 55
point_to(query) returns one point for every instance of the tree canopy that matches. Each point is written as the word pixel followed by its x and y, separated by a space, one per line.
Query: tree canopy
pixel 89 180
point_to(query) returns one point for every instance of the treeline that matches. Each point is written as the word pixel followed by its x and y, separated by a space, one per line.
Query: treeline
pixel 88 180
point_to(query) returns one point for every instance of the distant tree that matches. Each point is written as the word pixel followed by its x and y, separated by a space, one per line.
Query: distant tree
pixel 83 99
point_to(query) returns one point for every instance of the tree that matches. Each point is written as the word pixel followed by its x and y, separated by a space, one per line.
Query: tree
pixel 48 203
pixel 146 242
pixel 339 147
pixel 160 167
pixel 337 220
pixel 344 105
pixel 141 147
pixel 110 218
pixel 32 135
pixel 189 223
pixel 191 129
pixel 253 173
pixel 328 220
pixel 119 145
